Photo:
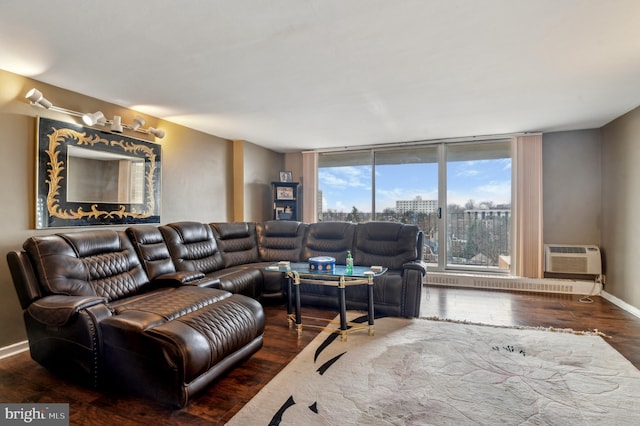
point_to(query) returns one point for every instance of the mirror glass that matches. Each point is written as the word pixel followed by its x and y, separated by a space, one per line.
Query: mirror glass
pixel 102 177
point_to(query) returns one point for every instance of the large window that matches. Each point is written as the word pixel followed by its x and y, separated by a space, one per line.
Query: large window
pixel 345 186
pixel 458 194
pixel 478 182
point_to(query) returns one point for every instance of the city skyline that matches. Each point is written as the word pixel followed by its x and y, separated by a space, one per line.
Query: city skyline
pixel 478 180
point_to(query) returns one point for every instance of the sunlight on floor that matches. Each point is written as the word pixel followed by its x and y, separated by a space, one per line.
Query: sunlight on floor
pixel 475 306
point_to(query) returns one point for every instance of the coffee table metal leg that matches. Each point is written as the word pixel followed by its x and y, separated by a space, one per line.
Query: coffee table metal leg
pixel 343 309
pixel 296 283
pixel 371 313
pixel 289 300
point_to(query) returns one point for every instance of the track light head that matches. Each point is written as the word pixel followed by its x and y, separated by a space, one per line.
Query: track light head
pixel 92 119
pixel 36 97
pixel 137 122
pixel 158 133
pixel 116 124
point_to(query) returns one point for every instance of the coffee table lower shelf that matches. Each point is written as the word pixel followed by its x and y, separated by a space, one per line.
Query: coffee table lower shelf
pixel 331 326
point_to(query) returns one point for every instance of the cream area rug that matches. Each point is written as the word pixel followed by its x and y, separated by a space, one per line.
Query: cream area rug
pixel 424 372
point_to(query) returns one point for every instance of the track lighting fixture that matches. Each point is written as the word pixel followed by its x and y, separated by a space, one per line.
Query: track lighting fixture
pixel 36 97
pixel 116 124
pixel 91 119
pixel 137 122
pixel 158 133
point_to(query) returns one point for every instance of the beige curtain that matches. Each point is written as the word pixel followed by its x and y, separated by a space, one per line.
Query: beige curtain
pixel 310 187
pixel 528 247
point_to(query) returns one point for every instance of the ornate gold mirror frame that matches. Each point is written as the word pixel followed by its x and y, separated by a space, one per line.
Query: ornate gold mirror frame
pixel 89 177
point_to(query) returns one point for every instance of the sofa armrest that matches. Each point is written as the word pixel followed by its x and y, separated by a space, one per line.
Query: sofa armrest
pixel 416 265
pixel 58 310
pixel 176 279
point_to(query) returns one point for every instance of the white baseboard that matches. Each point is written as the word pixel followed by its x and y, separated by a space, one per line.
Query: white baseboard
pixel 14 349
pixel 503 282
pixel 621 303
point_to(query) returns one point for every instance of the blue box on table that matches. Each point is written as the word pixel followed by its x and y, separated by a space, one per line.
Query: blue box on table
pixel 322 264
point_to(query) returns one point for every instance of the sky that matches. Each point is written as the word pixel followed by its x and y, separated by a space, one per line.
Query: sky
pixel 479 180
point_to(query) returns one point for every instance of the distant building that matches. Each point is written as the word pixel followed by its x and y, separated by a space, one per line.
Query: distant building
pixel 417 205
pixel 319 203
pixel 487 213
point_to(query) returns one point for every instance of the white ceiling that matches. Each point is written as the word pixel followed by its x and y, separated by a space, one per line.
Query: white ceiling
pixel 303 74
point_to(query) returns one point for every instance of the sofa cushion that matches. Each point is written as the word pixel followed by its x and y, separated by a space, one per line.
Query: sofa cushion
pixel 192 246
pixel 92 263
pixel 329 239
pixel 240 279
pixel 237 242
pixel 386 244
pixel 280 240
pixel 160 306
pixel 388 295
pixel 151 249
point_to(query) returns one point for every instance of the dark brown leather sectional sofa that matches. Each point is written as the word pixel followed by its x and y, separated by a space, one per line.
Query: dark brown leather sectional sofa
pixel 163 311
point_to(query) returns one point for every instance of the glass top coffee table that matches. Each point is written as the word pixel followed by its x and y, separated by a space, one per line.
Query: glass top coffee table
pixel 299 273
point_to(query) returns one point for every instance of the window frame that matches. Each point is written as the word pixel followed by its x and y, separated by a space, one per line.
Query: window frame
pixel 441 153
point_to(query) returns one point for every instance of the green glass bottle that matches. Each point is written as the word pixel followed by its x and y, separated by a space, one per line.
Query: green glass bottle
pixel 349 266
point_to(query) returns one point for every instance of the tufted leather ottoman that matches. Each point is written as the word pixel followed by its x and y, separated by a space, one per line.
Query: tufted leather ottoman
pixel 169 345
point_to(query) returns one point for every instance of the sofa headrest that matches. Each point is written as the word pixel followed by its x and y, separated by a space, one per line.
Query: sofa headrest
pixel 231 230
pixel 144 234
pixel 282 228
pixel 382 231
pixel 331 230
pixel 192 232
pixel 92 243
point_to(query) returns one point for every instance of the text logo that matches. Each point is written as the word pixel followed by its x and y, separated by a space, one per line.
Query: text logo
pixel 36 414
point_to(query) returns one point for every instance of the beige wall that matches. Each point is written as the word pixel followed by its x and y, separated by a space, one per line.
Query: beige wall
pixel 572 178
pixel 621 205
pixel 196 176
pixel 257 181
pixel 293 163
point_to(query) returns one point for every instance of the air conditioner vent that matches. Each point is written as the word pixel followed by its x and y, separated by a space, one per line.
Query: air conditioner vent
pixel 576 265
pixel 567 249
pixel 572 259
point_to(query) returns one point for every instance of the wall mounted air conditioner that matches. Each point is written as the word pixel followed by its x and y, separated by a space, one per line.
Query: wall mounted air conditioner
pixel 572 259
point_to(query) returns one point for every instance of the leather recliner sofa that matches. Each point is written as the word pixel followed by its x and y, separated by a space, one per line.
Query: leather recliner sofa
pixel 92 314
pixel 391 245
pixel 163 311
pixel 237 254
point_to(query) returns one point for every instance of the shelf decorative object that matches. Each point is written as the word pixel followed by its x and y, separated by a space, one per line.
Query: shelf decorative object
pixel 286 176
pixel 284 193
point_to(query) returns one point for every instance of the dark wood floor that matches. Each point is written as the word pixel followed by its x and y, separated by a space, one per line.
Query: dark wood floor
pixel 23 381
